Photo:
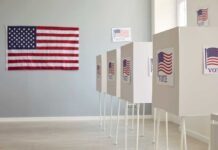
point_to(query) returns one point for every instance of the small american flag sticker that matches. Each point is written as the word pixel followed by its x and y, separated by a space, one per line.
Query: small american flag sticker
pixel 111 70
pixel 165 70
pixel 98 70
pixel 211 60
pixel 126 70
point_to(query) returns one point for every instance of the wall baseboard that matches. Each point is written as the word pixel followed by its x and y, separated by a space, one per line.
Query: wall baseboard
pixel 74 118
pixel 198 136
pixel 190 133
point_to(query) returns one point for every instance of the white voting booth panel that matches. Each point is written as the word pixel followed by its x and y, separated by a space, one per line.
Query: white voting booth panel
pixel 214 132
pixel 136 78
pixel 113 72
pixel 179 83
pixel 98 73
pixel 101 73
pixel 118 55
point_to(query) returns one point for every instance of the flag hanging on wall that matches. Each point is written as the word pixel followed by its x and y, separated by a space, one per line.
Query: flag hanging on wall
pixel 42 48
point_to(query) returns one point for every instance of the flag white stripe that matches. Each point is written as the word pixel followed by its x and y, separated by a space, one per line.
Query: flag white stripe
pixel 57 45
pixel 45 51
pixel 41 58
pixel 42 64
pixel 56 38
pixel 57 31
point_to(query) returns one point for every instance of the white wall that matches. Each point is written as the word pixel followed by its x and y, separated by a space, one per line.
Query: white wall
pixel 65 93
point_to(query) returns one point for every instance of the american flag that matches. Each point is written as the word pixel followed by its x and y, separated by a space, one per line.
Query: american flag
pixel 211 56
pixel 98 70
pixel 126 67
pixel 43 48
pixel 202 15
pixel 165 63
pixel 111 68
pixel 121 33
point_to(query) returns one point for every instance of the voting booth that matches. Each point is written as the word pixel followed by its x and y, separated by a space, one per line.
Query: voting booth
pixel 101 84
pixel 136 72
pixel 113 72
pixel 101 73
pixel 113 84
pixel 185 74
pixel 214 132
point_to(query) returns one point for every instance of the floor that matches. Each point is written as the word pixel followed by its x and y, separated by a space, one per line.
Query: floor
pixel 82 135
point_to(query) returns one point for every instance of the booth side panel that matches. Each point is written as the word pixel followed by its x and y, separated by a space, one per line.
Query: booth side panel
pixel 198 91
pixel 111 72
pixel 127 86
pixel 214 136
pixel 118 67
pixel 142 81
pixel 104 73
pixel 165 96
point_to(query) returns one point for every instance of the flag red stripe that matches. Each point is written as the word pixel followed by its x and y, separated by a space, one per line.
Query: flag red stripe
pixel 165 65
pixel 42 68
pixel 56 28
pixel 162 67
pixel 166 72
pixel 43 54
pixel 168 54
pixel 57 35
pixel 212 61
pixel 42 61
pixel 57 48
pixel 57 41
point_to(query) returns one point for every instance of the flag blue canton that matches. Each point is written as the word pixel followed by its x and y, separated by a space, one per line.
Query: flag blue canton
pixel 21 37
pixel 160 57
pixel 124 63
pixel 200 12
pixel 212 52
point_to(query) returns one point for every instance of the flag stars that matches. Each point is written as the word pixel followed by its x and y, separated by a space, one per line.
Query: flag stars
pixel 21 37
